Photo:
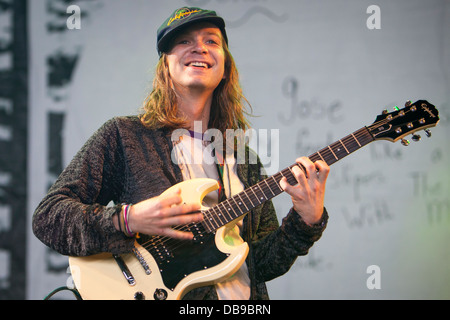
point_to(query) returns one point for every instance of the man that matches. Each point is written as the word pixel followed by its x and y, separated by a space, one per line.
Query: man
pixel 130 161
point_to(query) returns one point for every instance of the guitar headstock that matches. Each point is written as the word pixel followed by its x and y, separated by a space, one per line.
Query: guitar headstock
pixel 420 115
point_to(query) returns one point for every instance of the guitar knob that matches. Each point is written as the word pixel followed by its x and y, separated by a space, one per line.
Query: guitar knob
pixel 416 137
pixel 160 294
pixel 428 132
pixel 139 296
pixel 405 142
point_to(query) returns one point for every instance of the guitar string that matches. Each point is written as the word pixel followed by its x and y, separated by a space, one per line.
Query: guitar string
pixel 271 182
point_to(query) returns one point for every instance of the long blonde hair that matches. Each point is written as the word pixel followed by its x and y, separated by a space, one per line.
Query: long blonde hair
pixel 228 108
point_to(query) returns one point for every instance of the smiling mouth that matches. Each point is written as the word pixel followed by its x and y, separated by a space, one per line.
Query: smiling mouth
pixel 199 64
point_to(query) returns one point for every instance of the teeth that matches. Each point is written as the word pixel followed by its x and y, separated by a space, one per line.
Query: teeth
pixel 198 64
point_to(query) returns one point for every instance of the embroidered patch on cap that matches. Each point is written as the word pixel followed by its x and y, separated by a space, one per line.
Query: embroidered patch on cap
pixel 182 13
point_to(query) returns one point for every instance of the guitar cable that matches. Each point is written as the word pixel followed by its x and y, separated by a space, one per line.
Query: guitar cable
pixel 74 291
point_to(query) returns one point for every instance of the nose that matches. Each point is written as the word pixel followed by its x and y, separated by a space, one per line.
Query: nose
pixel 199 47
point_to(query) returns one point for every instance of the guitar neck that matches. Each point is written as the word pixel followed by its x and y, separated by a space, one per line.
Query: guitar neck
pixel 241 203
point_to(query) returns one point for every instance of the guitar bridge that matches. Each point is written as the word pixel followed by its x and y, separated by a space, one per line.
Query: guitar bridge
pixel 142 261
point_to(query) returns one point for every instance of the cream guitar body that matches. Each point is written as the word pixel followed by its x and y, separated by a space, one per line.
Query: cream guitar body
pixel 155 271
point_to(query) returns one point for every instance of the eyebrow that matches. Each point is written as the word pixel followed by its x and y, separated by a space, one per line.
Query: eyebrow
pixel 217 33
pixel 214 32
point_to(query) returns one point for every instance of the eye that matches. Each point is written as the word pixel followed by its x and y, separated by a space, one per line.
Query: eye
pixel 181 39
pixel 214 43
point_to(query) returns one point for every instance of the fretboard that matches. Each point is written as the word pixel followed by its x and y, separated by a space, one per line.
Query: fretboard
pixel 241 203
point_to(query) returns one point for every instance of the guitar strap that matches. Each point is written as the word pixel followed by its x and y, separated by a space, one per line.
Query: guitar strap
pixel 222 196
pixel 220 169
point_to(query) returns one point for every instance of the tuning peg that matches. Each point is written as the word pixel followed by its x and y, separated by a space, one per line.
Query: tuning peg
pixel 396 108
pixel 385 111
pixel 416 137
pixel 428 132
pixel 405 142
pixel 408 103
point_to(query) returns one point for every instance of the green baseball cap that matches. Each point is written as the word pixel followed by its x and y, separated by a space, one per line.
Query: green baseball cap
pixel 183 17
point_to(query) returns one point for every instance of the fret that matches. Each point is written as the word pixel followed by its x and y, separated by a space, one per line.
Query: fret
pixel 338 150
pixel 292 179
pixel 226 212
pixel 316 157
pixel 327 156
pixel 237 206
pixel 277 183
pixel 256 197
pixel 242 202
pixel 218 213
pixel 262 192
pixel 356 140
pixel 260 200
pixel 231 209
pixel 213 221
pixel 318 153
pixel 265 180
pixel 206 222
pixel 291 170
pixel 333 153
pixel 344 146
pixel 248 197
pixel 350 143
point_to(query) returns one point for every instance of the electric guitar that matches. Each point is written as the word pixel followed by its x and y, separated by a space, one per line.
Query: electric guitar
pixel 165 268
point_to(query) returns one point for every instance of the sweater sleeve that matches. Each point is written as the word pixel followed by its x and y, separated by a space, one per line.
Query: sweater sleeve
pixel 276 253
pixel 75 217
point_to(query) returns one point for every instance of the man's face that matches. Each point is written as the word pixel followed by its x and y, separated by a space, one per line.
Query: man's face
pixel 196 59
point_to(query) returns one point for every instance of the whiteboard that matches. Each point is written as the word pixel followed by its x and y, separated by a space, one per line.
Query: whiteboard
pixel 314 72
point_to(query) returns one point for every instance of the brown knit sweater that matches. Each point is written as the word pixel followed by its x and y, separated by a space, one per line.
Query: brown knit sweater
pixel 125 162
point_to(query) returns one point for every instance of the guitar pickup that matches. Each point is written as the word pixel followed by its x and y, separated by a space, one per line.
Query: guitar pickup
pixel 125 271
pixel 199 233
